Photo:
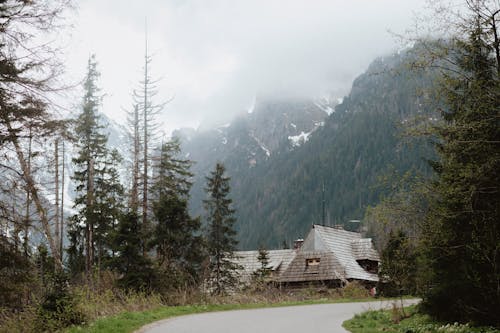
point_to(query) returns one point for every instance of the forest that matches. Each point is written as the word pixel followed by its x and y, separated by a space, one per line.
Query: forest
pixel 426 118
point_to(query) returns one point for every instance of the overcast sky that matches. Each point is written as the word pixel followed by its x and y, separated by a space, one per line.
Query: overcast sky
pixel 214 56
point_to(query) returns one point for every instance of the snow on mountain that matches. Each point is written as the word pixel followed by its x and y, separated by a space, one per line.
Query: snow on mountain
pixel 297 140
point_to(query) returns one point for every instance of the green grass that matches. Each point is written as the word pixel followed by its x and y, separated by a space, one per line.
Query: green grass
pixel 383 321
pixel 131 321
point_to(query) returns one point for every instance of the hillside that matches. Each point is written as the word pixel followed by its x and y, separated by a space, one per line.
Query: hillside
pixel 281 153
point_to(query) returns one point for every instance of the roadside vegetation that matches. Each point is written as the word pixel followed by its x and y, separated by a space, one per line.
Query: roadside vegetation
pixel 113 310
pixel 412 321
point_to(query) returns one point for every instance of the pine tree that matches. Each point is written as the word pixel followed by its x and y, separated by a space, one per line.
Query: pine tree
pixel 136 270
pixel 109 206
pixel 221 242
pixel 178 243
pixel 264 271
pixel 462 235
pixel 89 165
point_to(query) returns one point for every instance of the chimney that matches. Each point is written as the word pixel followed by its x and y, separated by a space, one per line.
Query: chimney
pixel 297 244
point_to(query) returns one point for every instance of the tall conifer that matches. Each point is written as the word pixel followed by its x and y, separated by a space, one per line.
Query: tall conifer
pixel 463 230
pixel 221 242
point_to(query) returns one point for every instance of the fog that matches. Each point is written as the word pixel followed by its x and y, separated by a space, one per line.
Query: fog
pixel 213 57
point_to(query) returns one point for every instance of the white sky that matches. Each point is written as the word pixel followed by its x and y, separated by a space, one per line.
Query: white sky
pixel 214 56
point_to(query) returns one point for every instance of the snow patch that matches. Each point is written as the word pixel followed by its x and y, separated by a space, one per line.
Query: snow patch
pixel 327 108
pixel 251 109
pixel 293 125
pixel 224 140
pixel 262 146
pixel 297 140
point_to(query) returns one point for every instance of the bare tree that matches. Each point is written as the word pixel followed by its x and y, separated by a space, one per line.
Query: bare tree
pixel 27 73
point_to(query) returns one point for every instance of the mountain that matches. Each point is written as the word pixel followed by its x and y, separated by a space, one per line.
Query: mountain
pixel 269 128
pixel 283 153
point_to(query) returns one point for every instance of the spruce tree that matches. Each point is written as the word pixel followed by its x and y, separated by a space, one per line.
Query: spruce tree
pixel 221 242
pixel 462 235
pixel 177 238
pixel 264 271
pixel 136 270
pixel 91 170
pixel 109 206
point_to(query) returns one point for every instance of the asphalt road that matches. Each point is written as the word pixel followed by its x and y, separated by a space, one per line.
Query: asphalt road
pixel 293 319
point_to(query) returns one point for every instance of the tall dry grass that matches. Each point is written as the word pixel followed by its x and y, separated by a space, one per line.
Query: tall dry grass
pixel 105 301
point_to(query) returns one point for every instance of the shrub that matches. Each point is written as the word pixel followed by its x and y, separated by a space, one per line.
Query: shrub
pixel 354 289
pixel 58 308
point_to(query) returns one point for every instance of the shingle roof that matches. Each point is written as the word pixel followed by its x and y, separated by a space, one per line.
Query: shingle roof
pixel 329 268
pixel 362 249
pixel 248 260
pixel 337 250
pixel 339 242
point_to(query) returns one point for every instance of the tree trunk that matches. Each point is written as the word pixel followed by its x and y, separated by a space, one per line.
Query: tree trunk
pixel 134 196
pixel 56 186
pixel 89 258
pixel 28 202
pixel 30 183
pixel 61 245
pixel 145 157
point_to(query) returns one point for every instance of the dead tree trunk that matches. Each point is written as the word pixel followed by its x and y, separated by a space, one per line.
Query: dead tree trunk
pixel 30 184
pixel 56 187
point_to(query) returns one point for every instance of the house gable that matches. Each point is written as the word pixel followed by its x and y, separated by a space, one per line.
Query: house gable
pixel 339 242
pixel 313 242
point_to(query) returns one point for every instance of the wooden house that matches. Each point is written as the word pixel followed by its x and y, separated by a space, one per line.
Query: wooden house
pixel 333 256
pixel 328 255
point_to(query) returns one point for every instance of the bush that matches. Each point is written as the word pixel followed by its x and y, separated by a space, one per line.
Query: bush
pixel 58 308
pixel 354 289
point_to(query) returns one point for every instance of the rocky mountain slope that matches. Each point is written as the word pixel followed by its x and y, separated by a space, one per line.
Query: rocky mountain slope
pixel 284 152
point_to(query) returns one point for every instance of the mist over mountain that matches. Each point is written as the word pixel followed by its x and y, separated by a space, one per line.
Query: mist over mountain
pixel 286 155
pixel 283 152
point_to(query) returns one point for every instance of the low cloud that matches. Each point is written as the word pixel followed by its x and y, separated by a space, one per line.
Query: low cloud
pixel 215 56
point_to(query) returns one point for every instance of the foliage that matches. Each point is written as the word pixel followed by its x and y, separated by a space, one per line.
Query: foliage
pixel 179 246
pixel 264 270
pixel 381 321
pixel 399 266
pixel 15 274
pixel 28 72
pixel 58 308
pixel 136 271
pixel 221 242
pixel 354 289
pixel 404 209
pixel 99 192
pixel 462 231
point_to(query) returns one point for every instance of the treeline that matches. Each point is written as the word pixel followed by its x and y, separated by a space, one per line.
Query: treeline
pixel 440 235
pixel 137 236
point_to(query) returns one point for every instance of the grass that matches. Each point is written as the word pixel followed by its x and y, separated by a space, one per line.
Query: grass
pixel 130 321
pixel 392 321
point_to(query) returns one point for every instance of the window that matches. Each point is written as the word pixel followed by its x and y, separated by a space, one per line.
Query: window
pixel 312 266
pixel 312 262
